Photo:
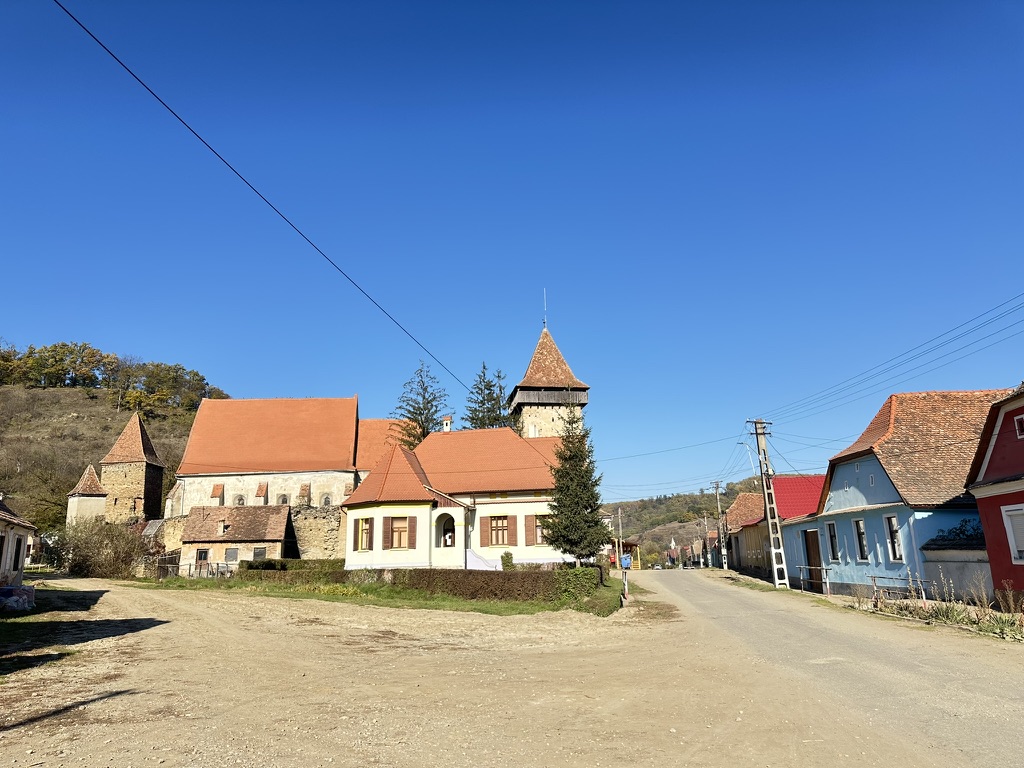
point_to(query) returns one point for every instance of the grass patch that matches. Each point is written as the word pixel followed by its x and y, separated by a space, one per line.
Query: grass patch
pixel 603 602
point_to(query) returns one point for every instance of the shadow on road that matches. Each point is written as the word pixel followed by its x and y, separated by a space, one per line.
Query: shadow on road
pixel 63 710
pixel 29 635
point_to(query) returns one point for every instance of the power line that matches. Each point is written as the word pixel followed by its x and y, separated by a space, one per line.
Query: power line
pixel 259 194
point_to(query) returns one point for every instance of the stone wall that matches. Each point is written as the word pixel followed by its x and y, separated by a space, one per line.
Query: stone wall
pixel 319 532
pixel 133 491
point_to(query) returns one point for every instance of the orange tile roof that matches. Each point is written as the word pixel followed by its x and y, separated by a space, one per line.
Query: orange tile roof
pixel 548 369
pixel 133 445
pixel 485 460
pixel 747 509
pixel 89 485
pixel 374 438
pixel 278 435
pixel 396 477
pixel 925 442
pixel 249 523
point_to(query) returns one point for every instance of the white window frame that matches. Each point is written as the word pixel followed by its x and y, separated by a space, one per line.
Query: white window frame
pixel 1013 519
pixel 832 537
pixel 1018 422
pixel 863 554
pixel 892 536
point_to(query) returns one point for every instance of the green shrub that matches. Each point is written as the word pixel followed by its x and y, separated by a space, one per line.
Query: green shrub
pixel 576 584
pixel 506 562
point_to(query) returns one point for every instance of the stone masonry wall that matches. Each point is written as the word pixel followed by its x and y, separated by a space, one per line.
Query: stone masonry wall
pixel 319 532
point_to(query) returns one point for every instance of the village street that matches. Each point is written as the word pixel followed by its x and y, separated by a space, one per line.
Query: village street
pixel 731 677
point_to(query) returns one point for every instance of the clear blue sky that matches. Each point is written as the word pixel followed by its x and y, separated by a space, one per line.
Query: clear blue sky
pixel 732 206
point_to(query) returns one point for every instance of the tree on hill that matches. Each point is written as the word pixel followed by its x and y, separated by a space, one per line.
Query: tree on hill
pixel 486 406
pixel 575 526
pixel 421 407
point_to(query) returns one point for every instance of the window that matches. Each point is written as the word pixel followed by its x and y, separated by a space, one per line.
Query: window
pixel 871 480
pixel 259 553
pixel 231 555
pixel 862 539
pixel 833 542
pixel 499 531
pixel 223 527
pixel 856 466
pixel 539 539
pixel 202 555
pixel 1018 422
pixel 325 501
pixel 399 532
pixel 846 485
pixel 364 530
pixel 1013 519
pixel 282 499
pixel 239 501
pixel 892 532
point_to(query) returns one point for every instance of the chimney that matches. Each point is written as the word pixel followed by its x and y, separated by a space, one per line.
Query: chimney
pixel 446 423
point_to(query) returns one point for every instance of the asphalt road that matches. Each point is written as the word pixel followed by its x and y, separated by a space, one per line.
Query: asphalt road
pixel 950 695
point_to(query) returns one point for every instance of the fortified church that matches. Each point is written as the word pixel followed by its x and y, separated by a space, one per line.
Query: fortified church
pixel 309 478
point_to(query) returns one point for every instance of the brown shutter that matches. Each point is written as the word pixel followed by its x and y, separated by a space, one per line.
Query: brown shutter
pixel 412 532
pixel 355 534
pixel 370 521
pixel 512 537
pixel 485 531
pixel 386 543
pixel 531 530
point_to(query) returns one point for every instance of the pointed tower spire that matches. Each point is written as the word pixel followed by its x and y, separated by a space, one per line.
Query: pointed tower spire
pixel 541 400
pixel 89 485
pixel 133 475
pixel 133 445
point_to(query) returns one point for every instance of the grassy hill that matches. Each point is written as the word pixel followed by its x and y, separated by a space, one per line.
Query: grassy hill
pixel 49 436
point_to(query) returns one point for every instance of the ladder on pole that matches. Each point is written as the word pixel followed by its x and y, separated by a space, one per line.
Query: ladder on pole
pixel 780 576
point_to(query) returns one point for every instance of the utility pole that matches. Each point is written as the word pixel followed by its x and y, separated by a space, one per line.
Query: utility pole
pixel 778 555
pixel 618 547
pixel 723 529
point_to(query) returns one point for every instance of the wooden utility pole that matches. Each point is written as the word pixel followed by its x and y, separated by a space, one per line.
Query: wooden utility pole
pixel 780 576
pixel 722 528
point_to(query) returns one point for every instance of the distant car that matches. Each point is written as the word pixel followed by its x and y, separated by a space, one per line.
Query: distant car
pixel 657 567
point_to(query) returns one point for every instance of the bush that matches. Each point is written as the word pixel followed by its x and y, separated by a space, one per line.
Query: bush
pixel 576 584
pixel 292 564
pixel 506 562
pixel 99 550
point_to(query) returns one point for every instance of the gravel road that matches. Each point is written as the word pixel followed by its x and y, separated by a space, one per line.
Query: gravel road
pixel 723 677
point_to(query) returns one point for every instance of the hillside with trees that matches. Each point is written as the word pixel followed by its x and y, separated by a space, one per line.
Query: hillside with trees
pixel 63 406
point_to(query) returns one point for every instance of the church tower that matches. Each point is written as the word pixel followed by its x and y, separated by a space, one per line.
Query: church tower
pixel 549 389
pixel 132 475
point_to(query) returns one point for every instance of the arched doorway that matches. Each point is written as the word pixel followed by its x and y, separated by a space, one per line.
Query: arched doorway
pixel 444 531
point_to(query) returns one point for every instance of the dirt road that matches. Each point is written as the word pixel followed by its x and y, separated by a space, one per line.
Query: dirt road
pixel 216 679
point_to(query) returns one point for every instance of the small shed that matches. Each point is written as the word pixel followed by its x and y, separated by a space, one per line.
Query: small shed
pixel 216 539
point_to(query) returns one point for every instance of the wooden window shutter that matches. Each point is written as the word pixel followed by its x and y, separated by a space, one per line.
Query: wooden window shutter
pixel 531 530
pixel 357 524
pixel 370 523
pixel 412 532
pixel 512 533
pixel 485 531
pixel 386 543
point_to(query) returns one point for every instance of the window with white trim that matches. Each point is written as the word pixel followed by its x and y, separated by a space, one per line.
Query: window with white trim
pixel 1013 519
pixel 833 542
pixel 862 540
pixel 892 534
pixel 1018 422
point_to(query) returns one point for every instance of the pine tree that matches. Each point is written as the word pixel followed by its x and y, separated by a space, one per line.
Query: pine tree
pixel 486 405
pixel 421 407
pixel 575 526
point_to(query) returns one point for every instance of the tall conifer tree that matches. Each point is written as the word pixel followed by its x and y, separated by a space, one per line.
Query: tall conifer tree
pixel 486 405
pixel 575 526
pixel 421 407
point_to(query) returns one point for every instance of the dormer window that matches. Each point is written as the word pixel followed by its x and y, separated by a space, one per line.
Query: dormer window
pixel 1018 422
pixel 239 501
pixel 325 501
pixel 282 499
pixel 223 527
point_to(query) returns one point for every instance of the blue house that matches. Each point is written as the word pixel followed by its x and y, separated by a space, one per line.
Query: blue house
pixel 893 489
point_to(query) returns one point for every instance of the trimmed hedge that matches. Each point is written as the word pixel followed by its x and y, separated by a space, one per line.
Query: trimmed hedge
pixel 564 584
pixel 292 564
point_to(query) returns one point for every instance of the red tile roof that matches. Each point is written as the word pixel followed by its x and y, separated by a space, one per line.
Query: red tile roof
pixel 133 445
pixel 485 460
pixel 797 495
pixel 925 442
pixel 89 485
pixel 278 435
pixel 250 523
pixel 374 438
pixel 548 369
pixel 397 477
